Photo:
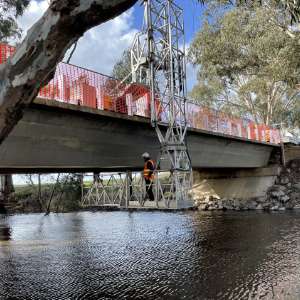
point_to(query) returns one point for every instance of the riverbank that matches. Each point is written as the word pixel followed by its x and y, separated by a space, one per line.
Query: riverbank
pixel 60 196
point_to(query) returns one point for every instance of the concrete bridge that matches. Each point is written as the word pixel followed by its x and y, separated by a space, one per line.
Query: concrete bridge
pixel 59 137
pixel 86 121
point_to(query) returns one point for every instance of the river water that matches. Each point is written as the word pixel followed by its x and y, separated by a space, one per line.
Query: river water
pixel 150 255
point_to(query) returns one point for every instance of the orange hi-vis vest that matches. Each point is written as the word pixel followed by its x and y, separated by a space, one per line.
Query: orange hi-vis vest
pixel 148 173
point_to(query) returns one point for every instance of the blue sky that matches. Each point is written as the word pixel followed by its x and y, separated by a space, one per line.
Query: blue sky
pixel 192 16
pixel 193 12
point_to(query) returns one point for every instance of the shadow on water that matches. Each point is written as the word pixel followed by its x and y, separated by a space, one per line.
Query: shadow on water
pixel 5 230
pixel 3 210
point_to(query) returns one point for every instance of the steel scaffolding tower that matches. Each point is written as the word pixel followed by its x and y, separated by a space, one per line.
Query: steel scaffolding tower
pixel 158 60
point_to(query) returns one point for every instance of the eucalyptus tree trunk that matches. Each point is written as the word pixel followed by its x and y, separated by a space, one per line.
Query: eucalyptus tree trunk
pixel 46 43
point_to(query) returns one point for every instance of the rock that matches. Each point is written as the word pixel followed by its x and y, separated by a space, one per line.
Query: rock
pixel 295 196
pixel 219 203
pixel 236 203
pixel 289 205
pixel 202 207
pixel 274 208
pixel 261 199
pixel 277 187
pixel 266 205
pixel 297 186
pixel 297 206
pixel 259 207
pixel 277 194
pixel 282 188
pixel 285 199
pixel 281 208
pixel 284 180
pixel 251 204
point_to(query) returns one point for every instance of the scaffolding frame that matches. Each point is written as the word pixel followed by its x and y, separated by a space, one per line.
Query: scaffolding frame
pixel 127 190
pixel 158 60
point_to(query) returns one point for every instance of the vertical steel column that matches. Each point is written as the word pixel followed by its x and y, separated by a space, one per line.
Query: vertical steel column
pixel 159 51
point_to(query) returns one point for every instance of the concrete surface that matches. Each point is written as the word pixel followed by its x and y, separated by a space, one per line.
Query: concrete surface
pixel 245 184
pixel 56 136
pixel 291 152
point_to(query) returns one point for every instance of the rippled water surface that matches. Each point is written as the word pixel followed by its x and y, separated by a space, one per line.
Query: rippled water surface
pixel 150 255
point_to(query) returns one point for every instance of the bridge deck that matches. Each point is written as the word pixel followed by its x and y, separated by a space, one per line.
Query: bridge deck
pixel 54 136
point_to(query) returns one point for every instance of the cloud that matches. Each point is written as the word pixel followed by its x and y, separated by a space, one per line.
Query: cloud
pixel 34 11
pixel 101 47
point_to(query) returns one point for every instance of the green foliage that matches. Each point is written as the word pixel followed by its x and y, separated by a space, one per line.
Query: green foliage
pixel 9 11
pixel 290 8
pixel 122 69
pixel 249 65
pixel 66 196
pixel 70 187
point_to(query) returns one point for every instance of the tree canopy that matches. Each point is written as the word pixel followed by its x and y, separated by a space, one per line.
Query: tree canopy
pixel 248 65
pixel 9 11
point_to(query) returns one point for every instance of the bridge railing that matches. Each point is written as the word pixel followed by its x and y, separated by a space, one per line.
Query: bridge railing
pixel 79 86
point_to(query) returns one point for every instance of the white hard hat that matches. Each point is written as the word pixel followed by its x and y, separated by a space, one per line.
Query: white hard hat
pixel 146 155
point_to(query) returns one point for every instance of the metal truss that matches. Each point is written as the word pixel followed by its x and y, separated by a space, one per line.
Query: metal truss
pixel 108 191
pixel 128 190
pixel 158 59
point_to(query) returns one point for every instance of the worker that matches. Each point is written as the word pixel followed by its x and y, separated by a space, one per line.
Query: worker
pixel 149 167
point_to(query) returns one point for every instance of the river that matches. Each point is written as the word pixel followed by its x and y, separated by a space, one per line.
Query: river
pixel 150 255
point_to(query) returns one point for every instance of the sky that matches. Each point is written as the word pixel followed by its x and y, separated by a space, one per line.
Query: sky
pixel 101 47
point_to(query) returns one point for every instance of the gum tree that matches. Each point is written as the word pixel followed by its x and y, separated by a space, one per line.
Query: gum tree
pixel 248 65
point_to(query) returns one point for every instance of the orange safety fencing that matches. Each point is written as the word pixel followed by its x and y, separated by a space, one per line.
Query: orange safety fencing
pixel 5 52
pixel 79 86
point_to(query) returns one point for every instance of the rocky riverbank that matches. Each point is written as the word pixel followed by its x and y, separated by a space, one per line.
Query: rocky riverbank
pixel 284 194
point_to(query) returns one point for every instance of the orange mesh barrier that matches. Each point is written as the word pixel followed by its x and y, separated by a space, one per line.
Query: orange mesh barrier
pixel 5 52
pixel 79 86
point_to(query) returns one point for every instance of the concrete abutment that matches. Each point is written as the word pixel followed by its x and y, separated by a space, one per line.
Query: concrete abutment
pixel 271 188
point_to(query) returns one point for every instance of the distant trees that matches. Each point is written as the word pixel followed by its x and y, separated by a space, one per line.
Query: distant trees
pixel 122 69
pixel 49 192
pixel 248 65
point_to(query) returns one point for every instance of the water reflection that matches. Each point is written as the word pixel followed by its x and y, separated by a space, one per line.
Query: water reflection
pixel 5 230
pixel 142 255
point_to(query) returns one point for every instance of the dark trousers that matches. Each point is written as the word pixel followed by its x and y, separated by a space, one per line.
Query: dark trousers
pixel 149 189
